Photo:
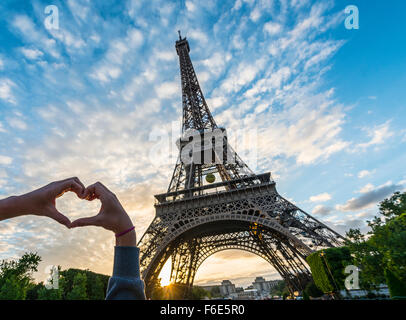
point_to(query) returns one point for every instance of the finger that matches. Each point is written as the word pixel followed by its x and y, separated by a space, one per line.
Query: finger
pixel 59 217
pixel 79 182
pixel 72 184
pixel 97 191
pixel 83 222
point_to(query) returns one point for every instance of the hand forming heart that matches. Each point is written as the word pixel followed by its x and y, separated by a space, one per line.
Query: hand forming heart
pixel 41 202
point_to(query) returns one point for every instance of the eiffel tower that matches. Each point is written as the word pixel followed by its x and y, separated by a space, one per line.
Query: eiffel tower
pixel 198 217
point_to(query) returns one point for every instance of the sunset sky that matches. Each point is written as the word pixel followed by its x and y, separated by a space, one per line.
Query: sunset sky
pixel 323 108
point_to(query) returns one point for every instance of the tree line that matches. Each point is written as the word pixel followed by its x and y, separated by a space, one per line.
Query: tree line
pixel 17 283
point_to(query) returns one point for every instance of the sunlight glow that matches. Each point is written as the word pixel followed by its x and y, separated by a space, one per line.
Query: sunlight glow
pixel 166 273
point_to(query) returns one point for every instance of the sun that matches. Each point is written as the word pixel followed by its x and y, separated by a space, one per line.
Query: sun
pixel 165 274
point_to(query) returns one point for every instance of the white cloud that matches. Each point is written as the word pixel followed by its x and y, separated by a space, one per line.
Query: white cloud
pixel 190 6
pixel 110 67
pixel 24 25
pixel 274 81
pixel 5 160
pixel 17 123
pixel 216 102
pixel 370 197
pixel 379 134
pixel 168 90
pixel 243 74
pixel 255 14
pixel 272 28
pixel 217 62
pixel 6 94
pixel 165 55
pixel 106 73
pixel 322 197
pixel 79 11
pixel 368 187
pixel 198 35
pixel 1 64
pixel 321 210
pixel 32 54
pixel 365 173
pixel 72 42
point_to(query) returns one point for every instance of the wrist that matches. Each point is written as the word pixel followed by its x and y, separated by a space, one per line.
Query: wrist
pixel 127 240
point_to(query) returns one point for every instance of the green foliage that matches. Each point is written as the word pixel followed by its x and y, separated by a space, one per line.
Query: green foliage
pixel 16 276
pixel 96 289
pixel 78 288
pixel 385 248
pixel 320 272
pixel 312 290
pixel 198 293
pixel 305 295
pixel 12 289
pixel 336 260
pixel 394 206
pixel 390 241
pixel 279 288
pixel 397 288
pixel 16 282
pixel 215 292
pixel 96 284
pixel 32 292
pixel 49 294
pixel 157 291
pixel 328 267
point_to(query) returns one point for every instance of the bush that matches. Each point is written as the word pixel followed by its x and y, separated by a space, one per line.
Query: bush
pixel 312 290
pixel 327 267
pixel 397 288
pixel 319 272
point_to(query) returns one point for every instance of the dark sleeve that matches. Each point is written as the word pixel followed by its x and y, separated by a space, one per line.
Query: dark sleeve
pixel 125 283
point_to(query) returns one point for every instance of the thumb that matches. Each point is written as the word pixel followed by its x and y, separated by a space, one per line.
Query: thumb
pixel 59 217
pixel 83 222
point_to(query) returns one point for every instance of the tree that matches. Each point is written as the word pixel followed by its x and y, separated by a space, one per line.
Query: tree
pixel 385 246
pixel 312 290
pixel 278 288
pixel 327 267
pixel 397 288
pixel 96 289
pixel 79 288
pixel 305 296
pixel 215 292
pixel 32 292
pixel 16 276
pixel 49 294
pixel 198 293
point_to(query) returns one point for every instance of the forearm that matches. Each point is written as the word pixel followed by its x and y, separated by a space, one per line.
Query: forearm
pixel 11 207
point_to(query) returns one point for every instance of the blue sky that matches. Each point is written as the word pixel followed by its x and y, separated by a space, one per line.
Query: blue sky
pixel 97 97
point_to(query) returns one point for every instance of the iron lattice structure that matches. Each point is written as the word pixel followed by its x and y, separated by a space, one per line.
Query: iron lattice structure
pixel 195 219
